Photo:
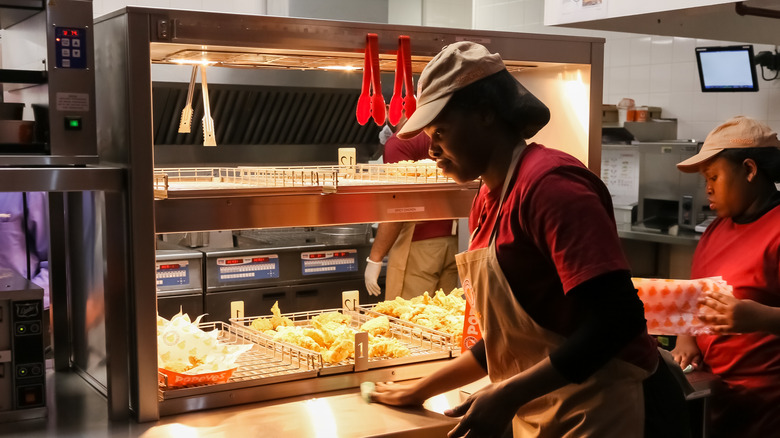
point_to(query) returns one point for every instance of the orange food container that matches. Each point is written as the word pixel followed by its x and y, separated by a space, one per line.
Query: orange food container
pixel 175 380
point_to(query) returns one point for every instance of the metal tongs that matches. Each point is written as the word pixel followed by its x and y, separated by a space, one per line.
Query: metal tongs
pixel 208 123
pixel 186 113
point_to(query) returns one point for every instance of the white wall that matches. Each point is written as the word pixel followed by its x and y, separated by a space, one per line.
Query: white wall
pixel 652 70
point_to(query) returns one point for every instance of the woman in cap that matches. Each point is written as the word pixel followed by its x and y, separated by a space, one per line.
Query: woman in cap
pixel 740 160
pixel 564 337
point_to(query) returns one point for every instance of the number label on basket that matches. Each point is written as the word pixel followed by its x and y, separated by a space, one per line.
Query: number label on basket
pixel 347 159
pixel 350 300
pixel 237 309
pixel 361 351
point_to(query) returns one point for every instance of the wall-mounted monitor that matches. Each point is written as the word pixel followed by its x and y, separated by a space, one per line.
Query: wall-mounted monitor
pixel 726 68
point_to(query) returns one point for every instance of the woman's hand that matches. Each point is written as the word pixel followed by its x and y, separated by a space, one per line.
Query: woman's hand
pixel 397 394
pixel 731 315
pixel 686 352
pixel 487 413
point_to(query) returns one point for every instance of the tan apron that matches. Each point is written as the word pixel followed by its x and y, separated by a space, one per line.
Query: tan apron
pixel 609 404
pixel 396 263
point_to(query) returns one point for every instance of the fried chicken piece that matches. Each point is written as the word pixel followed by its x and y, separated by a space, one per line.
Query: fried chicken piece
pixel 328 317
pixel 277 320
pixel 262 324
pixel 377 326
pixel 381 346
pixel 295 336
pixel 339 351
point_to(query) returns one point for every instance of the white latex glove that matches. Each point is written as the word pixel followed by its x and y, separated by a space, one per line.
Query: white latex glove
pixel 372 277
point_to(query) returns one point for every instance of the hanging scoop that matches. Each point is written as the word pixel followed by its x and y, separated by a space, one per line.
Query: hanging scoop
pixel 410 102
pixel 377 99
pixel 396 102
pixel 363 111
pixel 186 113
pixel 209 138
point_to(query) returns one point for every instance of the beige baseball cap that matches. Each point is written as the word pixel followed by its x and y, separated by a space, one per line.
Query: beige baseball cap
pixel 735 133
pixel 456 66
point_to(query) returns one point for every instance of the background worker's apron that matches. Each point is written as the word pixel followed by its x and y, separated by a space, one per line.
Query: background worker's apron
pixel 608 404
pixel 396 263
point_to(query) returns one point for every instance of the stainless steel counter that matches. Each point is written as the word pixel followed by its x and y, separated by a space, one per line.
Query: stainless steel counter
pixel 78 410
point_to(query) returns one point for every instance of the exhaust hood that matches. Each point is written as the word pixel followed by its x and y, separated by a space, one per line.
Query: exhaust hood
pixel 753 21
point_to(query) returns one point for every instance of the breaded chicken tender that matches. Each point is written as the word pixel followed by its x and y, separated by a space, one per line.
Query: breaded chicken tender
pixel 377 326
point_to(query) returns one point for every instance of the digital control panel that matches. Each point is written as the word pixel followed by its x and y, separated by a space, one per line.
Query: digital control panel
pixel 28 365
pixel 257 267
pixel 173 273
pixel 70 46
pixel 329 262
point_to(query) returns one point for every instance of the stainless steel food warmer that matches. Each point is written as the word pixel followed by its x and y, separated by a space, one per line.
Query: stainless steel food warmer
pixel 144 61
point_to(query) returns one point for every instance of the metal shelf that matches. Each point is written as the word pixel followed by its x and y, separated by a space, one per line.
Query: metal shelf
pixel 15 11
pixel 360 205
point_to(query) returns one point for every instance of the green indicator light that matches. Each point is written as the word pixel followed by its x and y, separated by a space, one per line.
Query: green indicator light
pixel 21 329
pixel 73 123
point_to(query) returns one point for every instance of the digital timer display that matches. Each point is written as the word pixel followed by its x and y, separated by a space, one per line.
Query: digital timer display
pixel 166 267
pixel 70 32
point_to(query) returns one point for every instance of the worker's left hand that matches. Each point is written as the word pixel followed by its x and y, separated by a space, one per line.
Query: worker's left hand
pixel 733 315
pixel 486 413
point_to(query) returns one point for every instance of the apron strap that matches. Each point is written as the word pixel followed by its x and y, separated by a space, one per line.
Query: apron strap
pixel 515 158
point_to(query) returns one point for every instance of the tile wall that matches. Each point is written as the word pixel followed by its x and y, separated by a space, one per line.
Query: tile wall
pixel 652 70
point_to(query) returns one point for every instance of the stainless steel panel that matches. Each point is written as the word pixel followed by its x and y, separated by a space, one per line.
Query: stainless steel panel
pixel 174 215
pixel 133 38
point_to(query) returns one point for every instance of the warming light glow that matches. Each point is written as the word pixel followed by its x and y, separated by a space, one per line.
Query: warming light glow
pixel 193 62
pixel 322 420
pixel 175 429
pixel 339 67
pixel 576 92
pixel 438 404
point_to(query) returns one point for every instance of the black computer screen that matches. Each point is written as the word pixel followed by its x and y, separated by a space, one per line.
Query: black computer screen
pixel 726 68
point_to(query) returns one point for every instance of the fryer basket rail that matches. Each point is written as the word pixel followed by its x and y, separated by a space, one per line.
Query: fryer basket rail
pixel 173 182
pixel 424 344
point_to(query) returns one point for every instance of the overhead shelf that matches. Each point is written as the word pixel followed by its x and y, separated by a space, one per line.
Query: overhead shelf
pixel 15 11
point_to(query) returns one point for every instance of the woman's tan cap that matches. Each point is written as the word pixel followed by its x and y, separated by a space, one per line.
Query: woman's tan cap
pixel 456 66
pixel 735 133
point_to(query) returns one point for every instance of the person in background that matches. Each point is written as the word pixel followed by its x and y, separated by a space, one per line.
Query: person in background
pixel 740 161
pixel 421 254
pixel 24 238
pixel 565 342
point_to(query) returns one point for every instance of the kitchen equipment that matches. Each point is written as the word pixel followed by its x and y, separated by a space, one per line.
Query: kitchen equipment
pixel 179 273
pixel 11 111
pixel 186 112
pixel 208 122
pixel 377 99
pixel 59 34
pixel 300 268
pixel 410 102
pixel 668 197
pixel 286 107
pixel 363 110
pixel 22 366
pixel 396 102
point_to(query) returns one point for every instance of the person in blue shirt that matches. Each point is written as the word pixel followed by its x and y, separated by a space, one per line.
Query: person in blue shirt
pixel 24 237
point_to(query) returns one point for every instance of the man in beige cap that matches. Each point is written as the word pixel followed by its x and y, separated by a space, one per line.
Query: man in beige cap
pixel 740 161
pixel 564 339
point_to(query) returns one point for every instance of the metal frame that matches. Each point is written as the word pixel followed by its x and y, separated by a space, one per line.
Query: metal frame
pixel 130 39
